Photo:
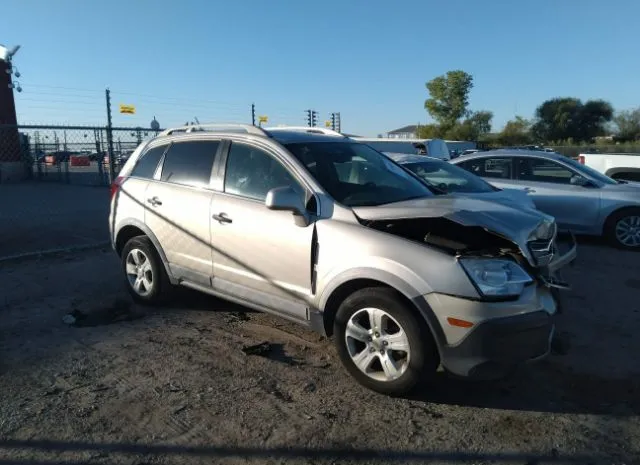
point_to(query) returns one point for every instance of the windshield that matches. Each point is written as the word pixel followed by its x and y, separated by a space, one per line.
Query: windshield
pixel 590 171
pixel 449 178
pixel 356 175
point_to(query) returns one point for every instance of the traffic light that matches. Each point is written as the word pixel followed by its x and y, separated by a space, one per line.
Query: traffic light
pixel 314 118
pixel 309 121
pixel 333 121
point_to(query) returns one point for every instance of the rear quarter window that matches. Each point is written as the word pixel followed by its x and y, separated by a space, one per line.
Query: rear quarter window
pixel 148 162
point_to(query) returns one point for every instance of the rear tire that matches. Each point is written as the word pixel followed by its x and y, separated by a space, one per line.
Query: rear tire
pixel 622 229
pixel 144 273
pixel 382 343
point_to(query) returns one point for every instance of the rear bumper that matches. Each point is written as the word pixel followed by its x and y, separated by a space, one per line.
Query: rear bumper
pixel 495 346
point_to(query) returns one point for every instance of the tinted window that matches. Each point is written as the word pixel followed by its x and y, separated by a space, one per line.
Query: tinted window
pixel 541 170
pixel 190 163
pixel 499 168
pixel 252 172
pixel 448 178
pixel 146 166
pixel 357 175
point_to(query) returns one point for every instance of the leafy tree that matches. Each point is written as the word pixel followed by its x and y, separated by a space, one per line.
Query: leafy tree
pixel 515 132
pixel 568 118
pixel 628 125
pixel 449 97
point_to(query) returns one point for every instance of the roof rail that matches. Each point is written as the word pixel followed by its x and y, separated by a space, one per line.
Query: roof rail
pixel 309 129
pixel 217 127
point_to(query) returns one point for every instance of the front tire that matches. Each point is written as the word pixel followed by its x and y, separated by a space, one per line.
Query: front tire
pixel 623 229
pixel 384 345
pixel 145 276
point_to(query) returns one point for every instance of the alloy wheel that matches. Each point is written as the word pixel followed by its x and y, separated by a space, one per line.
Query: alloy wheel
pixel 139 272
pixel 377 344
pixel 628 231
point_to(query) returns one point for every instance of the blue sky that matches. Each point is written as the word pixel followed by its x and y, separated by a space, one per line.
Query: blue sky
pixel 369 60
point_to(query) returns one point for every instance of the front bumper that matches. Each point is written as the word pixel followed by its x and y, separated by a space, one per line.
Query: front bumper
pixel 494 347
pixel 503 334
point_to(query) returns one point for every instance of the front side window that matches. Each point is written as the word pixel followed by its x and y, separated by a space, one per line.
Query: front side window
pixel 449 178
pixel 496 168
pixel 251 172
pixel 356 175
pixel 148 162
pixel 542 170
pixel 190 163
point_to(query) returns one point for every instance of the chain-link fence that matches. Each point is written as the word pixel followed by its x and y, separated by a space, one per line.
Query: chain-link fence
pixel 70 154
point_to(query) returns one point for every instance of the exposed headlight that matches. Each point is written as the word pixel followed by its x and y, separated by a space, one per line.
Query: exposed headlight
pixel 496 277
pixel 546 230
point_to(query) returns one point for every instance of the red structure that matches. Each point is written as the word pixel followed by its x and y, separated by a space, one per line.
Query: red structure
pixel 11 165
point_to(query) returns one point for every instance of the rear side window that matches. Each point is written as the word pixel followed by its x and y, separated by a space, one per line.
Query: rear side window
pixel 146 166
pixel 498 168
pixel 190 163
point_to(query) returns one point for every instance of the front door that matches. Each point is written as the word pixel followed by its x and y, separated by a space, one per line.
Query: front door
pixel 549 184
pixel 178 208
pixel 259 255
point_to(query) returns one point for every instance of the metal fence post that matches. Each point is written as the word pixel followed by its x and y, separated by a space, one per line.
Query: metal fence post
pixel 112 171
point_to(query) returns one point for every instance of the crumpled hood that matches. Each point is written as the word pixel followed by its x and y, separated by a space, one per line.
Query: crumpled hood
pixel 516 225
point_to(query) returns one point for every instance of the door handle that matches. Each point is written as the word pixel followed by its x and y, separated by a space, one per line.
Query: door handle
pixel 528 189
pixel 222 218
pixel 155 201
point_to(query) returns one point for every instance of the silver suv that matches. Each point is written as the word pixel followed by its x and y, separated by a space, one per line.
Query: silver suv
pixel 329 233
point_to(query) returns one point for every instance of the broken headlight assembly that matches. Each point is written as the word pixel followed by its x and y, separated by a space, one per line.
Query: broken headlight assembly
pixel 546 230
pixel 496 278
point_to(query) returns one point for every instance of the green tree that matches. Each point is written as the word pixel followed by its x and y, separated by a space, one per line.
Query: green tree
pixel 628 125
pixel 515 132
pixel 568 118
pixel 449 97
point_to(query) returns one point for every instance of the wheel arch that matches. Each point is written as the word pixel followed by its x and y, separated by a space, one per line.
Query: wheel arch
pixel 607 222
pixel 340 289
pixel 614 172
pixel 129 229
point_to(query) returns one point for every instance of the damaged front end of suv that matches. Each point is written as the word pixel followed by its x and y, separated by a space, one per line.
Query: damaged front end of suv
pixel 513 261
pixel 528 238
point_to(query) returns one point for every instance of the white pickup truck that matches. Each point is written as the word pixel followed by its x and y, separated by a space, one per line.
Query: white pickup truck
pixel 624 166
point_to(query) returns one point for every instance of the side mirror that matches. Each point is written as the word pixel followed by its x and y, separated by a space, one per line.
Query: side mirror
pixel 286 199
pixel 577 180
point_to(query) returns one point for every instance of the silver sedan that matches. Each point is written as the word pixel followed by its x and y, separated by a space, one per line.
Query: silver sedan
pixel 446 178
pixel 581 199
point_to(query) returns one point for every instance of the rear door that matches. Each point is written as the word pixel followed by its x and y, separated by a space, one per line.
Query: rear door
pixel 129 204
pixel 548 183
pixel 177 208
pixel 495 170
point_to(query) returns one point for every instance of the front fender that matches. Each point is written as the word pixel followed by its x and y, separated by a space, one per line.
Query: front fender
pixel 402 280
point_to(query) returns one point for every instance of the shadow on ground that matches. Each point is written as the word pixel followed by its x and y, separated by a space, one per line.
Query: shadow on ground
pixel 352 454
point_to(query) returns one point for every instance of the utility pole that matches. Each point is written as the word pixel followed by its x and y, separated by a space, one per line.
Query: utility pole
pixel 112 172
pixel 253 114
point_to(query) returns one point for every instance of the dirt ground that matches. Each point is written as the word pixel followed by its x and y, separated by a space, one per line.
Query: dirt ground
pixel 134 385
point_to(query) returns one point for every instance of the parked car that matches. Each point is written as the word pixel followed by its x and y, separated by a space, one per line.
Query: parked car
pixel 469 151
pixel 55 158
pixel 436 148
pixel 331 234
pixel 447 178
pixel 624 166
pixel 581 199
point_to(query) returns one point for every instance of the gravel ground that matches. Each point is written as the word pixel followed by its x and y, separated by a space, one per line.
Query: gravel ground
pixel 135 385
pixel 43 216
